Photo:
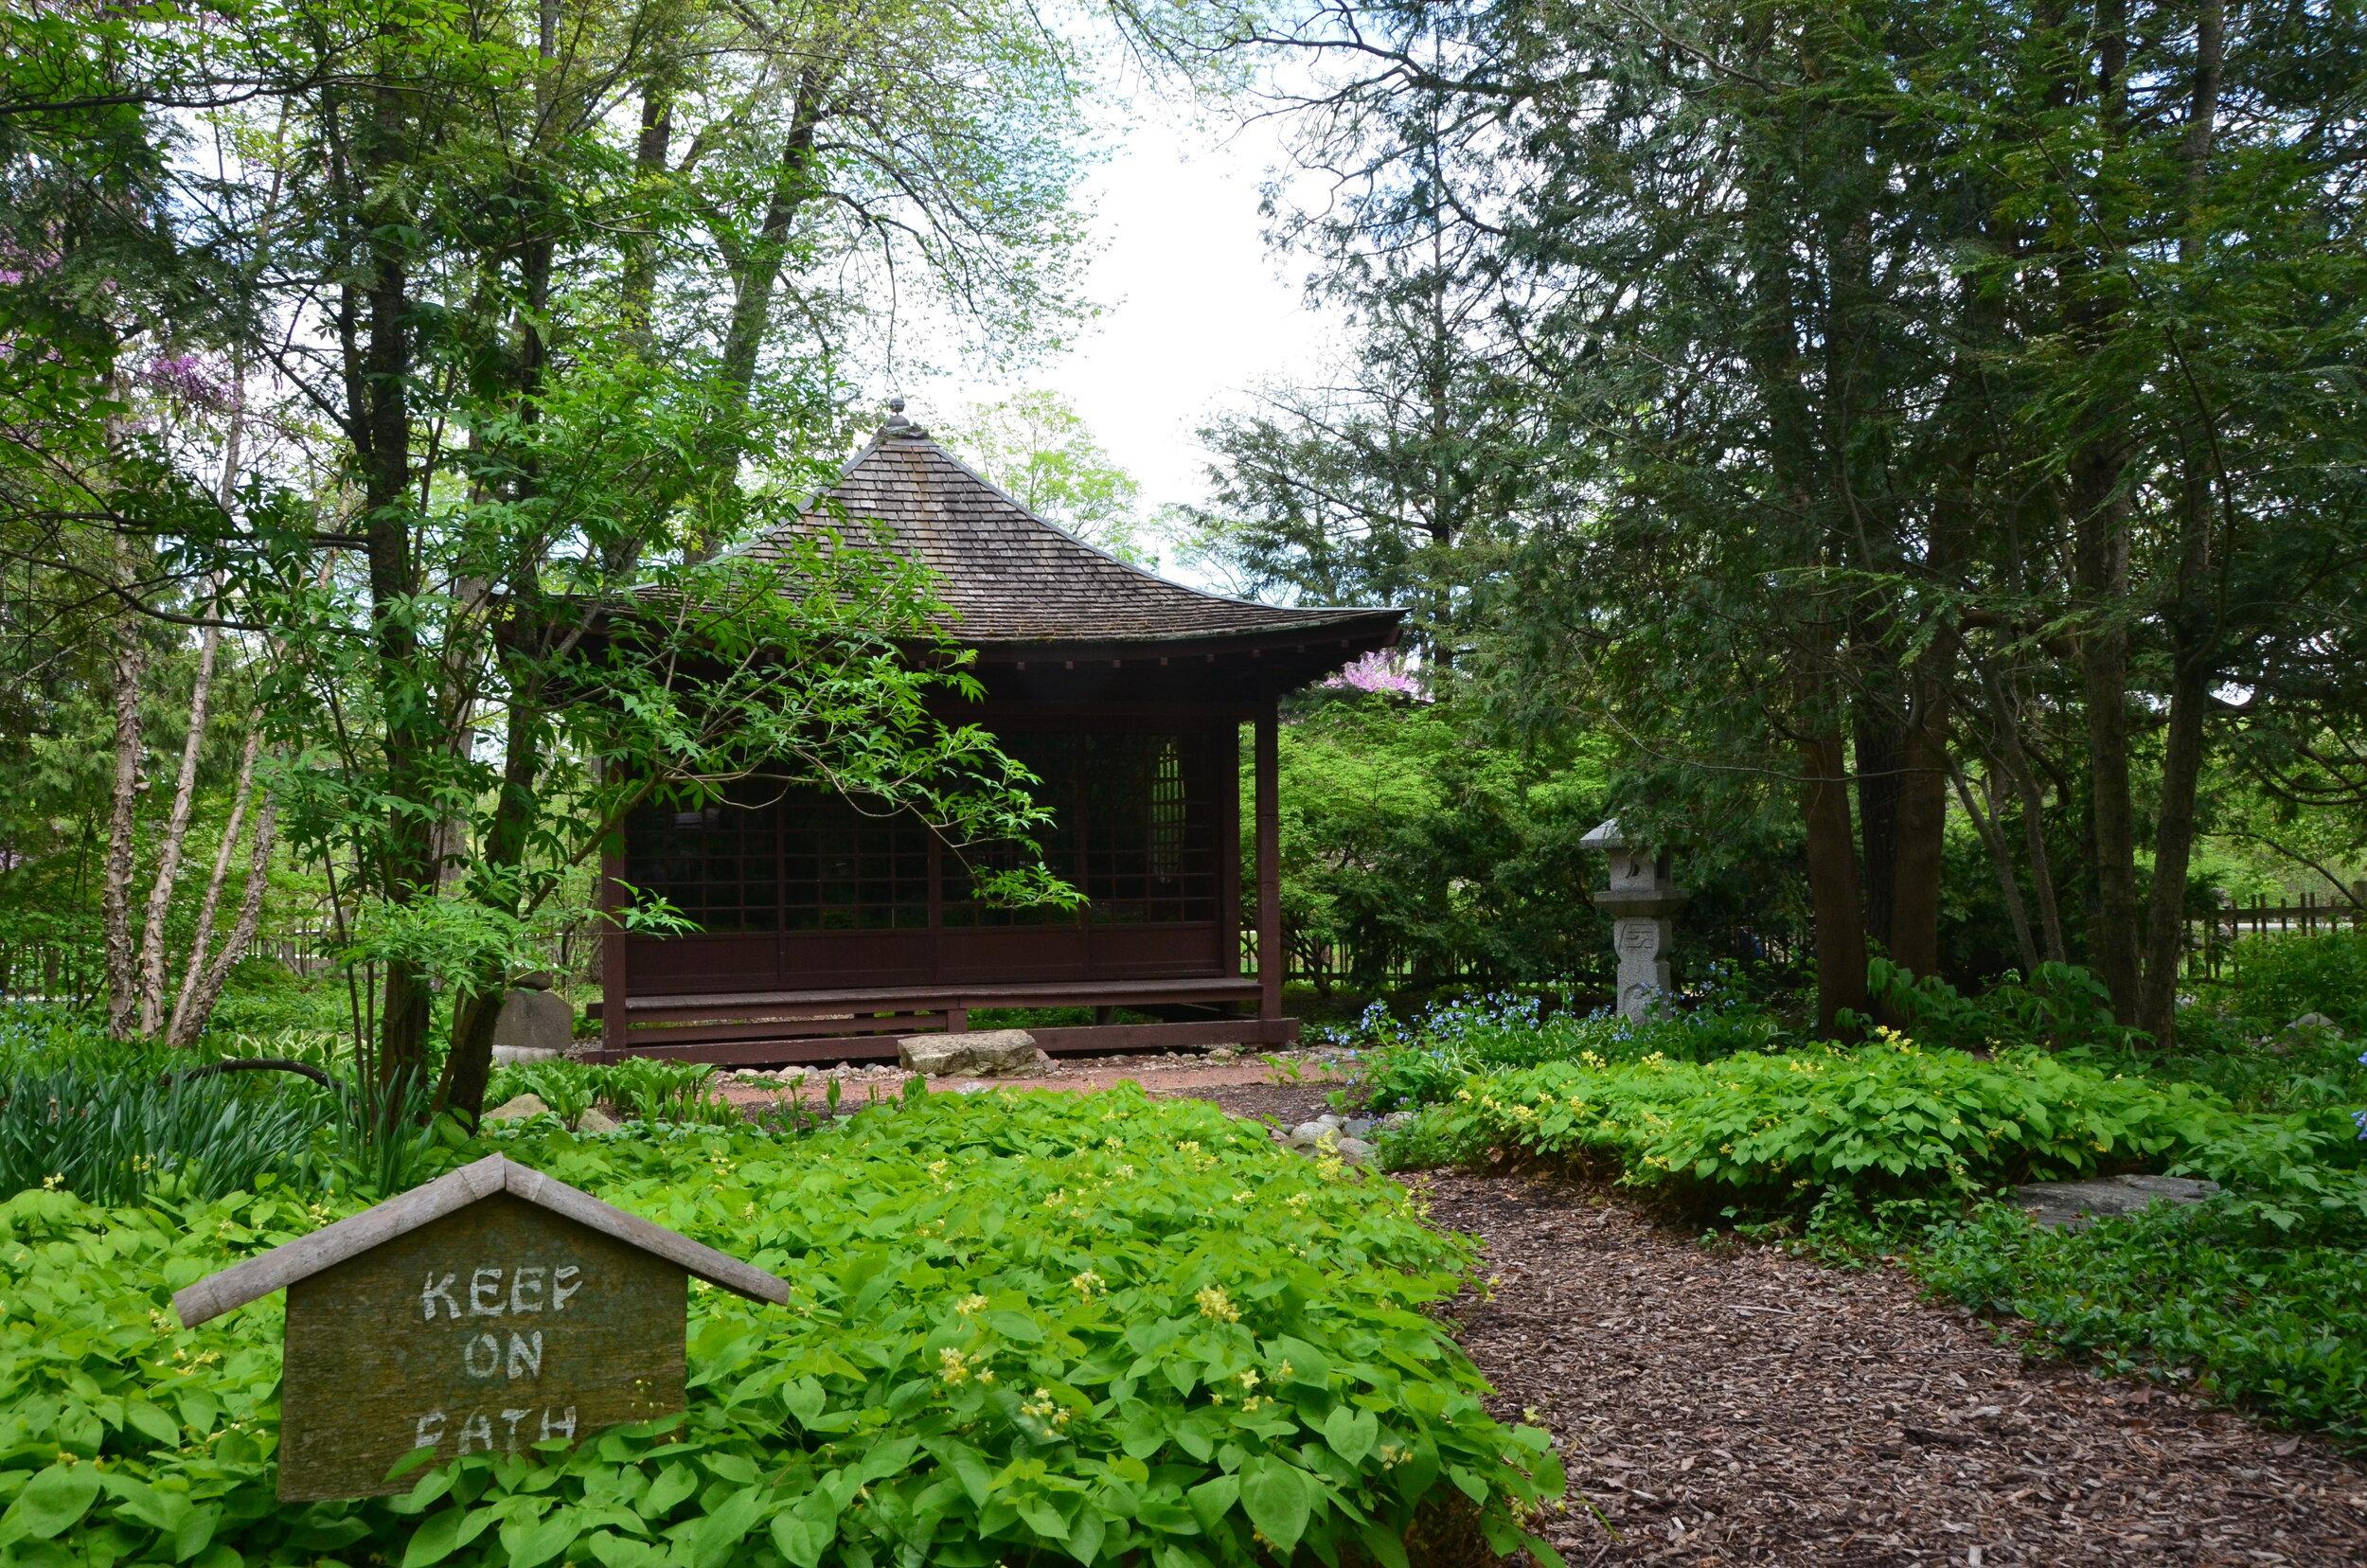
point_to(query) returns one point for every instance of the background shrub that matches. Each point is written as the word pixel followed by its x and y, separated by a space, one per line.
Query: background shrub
pixel 1782 1131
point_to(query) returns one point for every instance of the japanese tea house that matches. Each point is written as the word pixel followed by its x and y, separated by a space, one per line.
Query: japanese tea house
pixel 1123 692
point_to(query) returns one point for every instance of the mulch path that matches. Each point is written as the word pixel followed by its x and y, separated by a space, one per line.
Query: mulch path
pixel 1741 1405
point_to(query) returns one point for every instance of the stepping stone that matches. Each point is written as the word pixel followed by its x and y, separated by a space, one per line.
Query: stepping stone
pixel 2072 1205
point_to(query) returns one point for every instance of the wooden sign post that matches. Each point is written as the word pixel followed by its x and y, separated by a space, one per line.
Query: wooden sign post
pixel 488 1310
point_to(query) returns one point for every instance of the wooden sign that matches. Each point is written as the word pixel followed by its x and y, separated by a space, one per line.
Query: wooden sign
pixel 489 1310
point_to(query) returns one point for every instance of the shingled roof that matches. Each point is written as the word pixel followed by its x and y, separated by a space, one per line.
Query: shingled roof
pixel 1013 579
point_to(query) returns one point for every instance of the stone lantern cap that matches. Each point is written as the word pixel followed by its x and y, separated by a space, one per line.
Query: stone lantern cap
pixel 1639 884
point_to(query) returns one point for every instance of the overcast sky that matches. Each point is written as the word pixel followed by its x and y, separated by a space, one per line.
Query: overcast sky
pixel 1195 310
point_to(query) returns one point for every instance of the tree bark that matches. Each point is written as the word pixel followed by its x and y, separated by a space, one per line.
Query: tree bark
pixel 176 837
pixel 2001 862
pixel 2101 561
pixel 183 1027
pixel 2032 794
pixel 1920 850
pixel 1880 754
pixel 196 1005
pixel 2192 620
pixel 128 667
pixel 380 414
pixel 1841 956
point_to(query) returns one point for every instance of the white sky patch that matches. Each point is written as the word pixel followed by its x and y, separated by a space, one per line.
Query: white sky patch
pixel 1195 313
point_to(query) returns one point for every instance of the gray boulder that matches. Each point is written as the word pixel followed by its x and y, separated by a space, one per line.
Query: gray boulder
pixel 534 1025
pixel 596 1120
pixel 2072 1205
pixel 989 1052
pixel 518 1107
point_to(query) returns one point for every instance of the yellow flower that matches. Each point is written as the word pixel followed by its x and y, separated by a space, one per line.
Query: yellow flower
pixel 1282 1371
pixel 969 1304
pixel 1215 1305
pixel 1248 1378
pixel 953 1365
pixel 1086 1283
pixel 1245 1197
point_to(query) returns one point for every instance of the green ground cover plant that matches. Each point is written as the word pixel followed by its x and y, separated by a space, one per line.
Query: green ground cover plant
pixel 1401 1065
pixel 1783 1130
pixel 646 1088
pixel 1026 1328
pixel 2234 1297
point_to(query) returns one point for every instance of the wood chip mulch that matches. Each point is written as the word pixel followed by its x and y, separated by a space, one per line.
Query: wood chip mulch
pixel 1741 1405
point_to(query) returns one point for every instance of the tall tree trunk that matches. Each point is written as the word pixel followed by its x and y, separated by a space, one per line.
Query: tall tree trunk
pixel 2192 621
pixel 406 867
pixel 2101 558
pixel 1879 755
pixel 2001 862
pixel 127 667
pixel 195 1007
pixel 182 1029
pixel 176 837
pixel 2006 719
pixel 1921 847
pixel 468 1064
pixel 1832 880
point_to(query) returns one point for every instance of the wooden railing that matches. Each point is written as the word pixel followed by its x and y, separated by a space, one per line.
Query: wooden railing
pixel 2211 936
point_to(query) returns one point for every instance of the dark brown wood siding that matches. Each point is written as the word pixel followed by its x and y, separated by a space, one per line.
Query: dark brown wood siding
pixel 809 890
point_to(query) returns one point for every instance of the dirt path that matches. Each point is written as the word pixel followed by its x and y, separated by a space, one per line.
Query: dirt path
pixel 1746 1407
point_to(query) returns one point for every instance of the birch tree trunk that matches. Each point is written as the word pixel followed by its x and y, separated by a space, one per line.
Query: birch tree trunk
pixel 122 820
pixel 196 1003
pixel 151 1014
pixel 183 1029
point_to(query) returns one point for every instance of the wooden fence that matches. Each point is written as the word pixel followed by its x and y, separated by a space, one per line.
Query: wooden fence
pixel 2211 938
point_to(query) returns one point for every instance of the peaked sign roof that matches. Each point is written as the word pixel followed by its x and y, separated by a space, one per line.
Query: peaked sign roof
pixel 1014 578
pixel 356 1234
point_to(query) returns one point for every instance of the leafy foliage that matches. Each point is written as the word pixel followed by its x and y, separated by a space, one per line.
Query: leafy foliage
pixel 1425 1061
pixel 1025 1328
pixel 2247 1311
pixel 655 1091
pixel 2061 1004
pixel 1782 1131
pixel 2276 979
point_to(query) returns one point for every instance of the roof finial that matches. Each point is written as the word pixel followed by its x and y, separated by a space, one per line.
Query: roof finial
pixel 898 425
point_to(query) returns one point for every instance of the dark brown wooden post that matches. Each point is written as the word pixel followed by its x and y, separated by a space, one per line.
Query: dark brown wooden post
pixel 1269 954
pixel 614 976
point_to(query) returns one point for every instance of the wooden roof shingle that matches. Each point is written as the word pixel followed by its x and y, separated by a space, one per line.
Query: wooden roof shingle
pixel 1010 578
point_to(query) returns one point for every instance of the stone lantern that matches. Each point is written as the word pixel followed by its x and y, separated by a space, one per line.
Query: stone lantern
pixel 1640 901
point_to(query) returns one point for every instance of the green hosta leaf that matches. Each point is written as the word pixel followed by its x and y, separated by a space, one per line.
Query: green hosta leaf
pixel 720 1533
pixel 444 1534
pixel 1351 1432
pixel 1212 1499
pixel 532 1543
pixel 1086 1534
pixel 1278 1498
pixel 803 1401
pixel 625 1552
pixel 673 1484
pixel 806 1532
pixel 52 1501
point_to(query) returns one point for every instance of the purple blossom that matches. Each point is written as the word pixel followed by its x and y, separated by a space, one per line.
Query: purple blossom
pixel 184 376
pixel 1383 672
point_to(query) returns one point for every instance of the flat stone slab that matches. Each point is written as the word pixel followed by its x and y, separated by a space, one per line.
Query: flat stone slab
pixel 2072 1205
pixel 987 1053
